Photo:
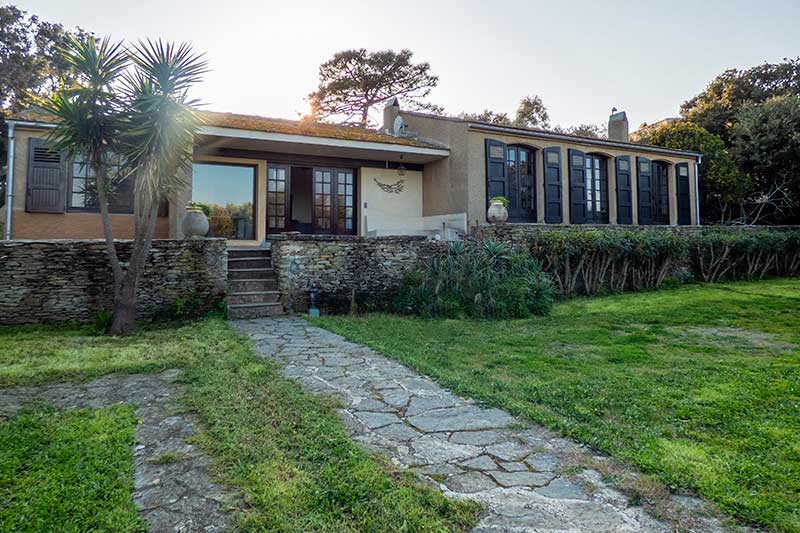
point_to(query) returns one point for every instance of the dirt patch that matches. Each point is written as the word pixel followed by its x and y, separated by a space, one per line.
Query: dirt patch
pixel 734 337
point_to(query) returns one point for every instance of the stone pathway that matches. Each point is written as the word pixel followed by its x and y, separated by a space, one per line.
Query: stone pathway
pixel 522 473
pixel 172 488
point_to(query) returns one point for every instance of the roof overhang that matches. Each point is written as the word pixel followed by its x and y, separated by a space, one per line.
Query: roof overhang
pixel 521 132
pixel 216 137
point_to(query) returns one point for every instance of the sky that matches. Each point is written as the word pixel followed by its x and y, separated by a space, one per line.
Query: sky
pixel 581 57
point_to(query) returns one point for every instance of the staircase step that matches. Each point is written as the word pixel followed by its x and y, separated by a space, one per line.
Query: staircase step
pixel 249 262
pixel 254 310
pixel 252 285
pixel 254 297
pixel 251 273
pixel 236 253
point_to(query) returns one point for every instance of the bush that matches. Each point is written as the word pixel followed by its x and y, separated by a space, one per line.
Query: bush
pixel 591 262
pixel 478 280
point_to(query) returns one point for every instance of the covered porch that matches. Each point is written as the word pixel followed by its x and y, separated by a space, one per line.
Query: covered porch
pixel 254 183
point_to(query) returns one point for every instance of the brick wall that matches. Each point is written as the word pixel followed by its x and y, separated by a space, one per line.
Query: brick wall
pixel 75 225
pixel 344 267
pixel 71 280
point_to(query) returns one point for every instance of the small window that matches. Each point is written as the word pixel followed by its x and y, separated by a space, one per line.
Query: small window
pixel 83 187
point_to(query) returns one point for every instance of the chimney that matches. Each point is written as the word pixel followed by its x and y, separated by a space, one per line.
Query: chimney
pixel 618 126
pixel 390 112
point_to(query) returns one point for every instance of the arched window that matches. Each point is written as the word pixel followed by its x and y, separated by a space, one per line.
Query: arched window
pixel 521 193
pixel 596 173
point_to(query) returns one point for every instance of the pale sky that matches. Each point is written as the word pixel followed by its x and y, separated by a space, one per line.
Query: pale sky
pixel 581 57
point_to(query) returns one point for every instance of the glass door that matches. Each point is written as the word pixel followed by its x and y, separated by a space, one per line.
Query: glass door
pixel 334 200
pixel 277 198
pixel 323 200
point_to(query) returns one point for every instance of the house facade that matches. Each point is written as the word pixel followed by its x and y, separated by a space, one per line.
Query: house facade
pixel 417 175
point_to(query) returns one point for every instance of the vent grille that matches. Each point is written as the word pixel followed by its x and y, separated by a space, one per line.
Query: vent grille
pixel 45 155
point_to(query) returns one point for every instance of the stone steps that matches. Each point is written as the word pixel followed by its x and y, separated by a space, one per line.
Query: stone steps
pixel 252 284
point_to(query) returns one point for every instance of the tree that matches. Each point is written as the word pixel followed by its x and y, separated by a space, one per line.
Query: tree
pixel 594 131
pixel 142 117
pixel 29 63
pixel 532 113
pixel 487 116
pixel 722 186
pixel 354 81
pixel 766 143
pixel 716 108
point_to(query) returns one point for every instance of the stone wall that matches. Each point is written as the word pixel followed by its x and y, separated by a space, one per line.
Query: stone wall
pixel 71 280
pixel 345 268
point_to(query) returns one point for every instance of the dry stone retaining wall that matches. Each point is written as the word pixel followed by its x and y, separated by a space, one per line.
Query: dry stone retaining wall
pixel 345 268
pixel 71 280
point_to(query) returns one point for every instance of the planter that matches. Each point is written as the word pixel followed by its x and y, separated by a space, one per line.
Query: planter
pixel 195 224
pixel 497 213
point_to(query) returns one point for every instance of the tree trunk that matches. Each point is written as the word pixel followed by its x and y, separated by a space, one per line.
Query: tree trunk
pixel 124 310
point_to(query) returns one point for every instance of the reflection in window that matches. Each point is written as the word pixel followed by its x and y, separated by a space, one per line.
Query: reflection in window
pixel 83 187
pixel 520 195
pixel 596 189
pixel 227 193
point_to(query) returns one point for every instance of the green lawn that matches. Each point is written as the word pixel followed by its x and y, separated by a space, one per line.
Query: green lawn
pixel 699 386
pixel 286 451
pixel 68 471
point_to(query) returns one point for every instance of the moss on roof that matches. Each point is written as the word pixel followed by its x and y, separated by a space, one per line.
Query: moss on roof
pixel 271 125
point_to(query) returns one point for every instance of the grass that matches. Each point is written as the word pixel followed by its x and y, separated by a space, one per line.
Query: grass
pixel 699 386
pixel 285 451
pixel 68 471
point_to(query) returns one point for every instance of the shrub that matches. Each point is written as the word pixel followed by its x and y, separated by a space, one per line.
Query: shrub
pixel 478 280
pixel 595 261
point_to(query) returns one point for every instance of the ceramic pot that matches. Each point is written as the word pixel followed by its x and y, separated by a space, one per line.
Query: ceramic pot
pixel 497 213
pixel 195 223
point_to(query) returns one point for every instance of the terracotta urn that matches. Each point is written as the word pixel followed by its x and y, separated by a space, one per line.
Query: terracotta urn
pixel 195 223
pixel 497 213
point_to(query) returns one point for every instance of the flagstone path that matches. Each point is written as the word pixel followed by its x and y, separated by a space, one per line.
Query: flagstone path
pixel 521 472
pixel 173 496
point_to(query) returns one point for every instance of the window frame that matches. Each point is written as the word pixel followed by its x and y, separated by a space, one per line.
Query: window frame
pixel 600 184
pixel 254 168
pixel 513 180
pixel 71 189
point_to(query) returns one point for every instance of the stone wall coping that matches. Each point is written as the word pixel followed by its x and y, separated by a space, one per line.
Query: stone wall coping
pixel 101 241
pixel 536 225
pixel 345 238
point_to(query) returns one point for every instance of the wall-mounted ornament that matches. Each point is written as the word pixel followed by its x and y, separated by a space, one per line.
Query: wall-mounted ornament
pixel 391 188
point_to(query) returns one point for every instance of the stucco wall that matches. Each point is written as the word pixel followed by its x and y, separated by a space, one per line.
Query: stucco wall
pixel 389 210
pixel 71 280
pixel 67 225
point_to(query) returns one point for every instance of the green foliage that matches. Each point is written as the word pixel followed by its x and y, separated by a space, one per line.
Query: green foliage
pixel 722 185
pixel 102 321
pixel 696 386
pixel 718 254
pixel 479 280
pixel 502 199
pixel 766 142
pixel 354 81
pixel 591 262
pixel 717 107
pixel 532 113
pixel 68 471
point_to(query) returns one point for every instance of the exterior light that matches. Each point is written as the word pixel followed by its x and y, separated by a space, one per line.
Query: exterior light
pixel 401 169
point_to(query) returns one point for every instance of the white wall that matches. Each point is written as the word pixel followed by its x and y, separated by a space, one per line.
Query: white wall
pixel 387 210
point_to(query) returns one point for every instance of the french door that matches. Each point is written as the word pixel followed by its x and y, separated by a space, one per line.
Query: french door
pixel 333 201
pixel 278 188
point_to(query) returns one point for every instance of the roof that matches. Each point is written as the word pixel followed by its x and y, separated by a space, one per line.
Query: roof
pixel 542 133
pixel 306 128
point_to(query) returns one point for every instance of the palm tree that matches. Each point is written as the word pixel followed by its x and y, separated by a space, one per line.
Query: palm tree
pixel 130 104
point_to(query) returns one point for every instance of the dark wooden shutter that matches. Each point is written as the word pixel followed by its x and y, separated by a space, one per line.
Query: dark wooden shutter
pixel 577 186
pixel 644 189
pixel 46 183
pixel 122 199
pixel 552 185
pixel 684 202
pixel 495 170
pixel 624 191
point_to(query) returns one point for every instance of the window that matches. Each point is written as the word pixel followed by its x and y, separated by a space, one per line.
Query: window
pixel 83 187
pixel 520 186
pixel 344 205
pixel 660 187
pixel 228 192
pixel 596 172
pixel 277 177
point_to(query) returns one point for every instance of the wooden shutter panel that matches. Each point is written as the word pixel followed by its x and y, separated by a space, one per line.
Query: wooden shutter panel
pixel 684 201
pixel 624 190
pixel 577 186
pixel 121 200
pixel 46 180
pixel 552 185
pixel 644 189
pixel 495 170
